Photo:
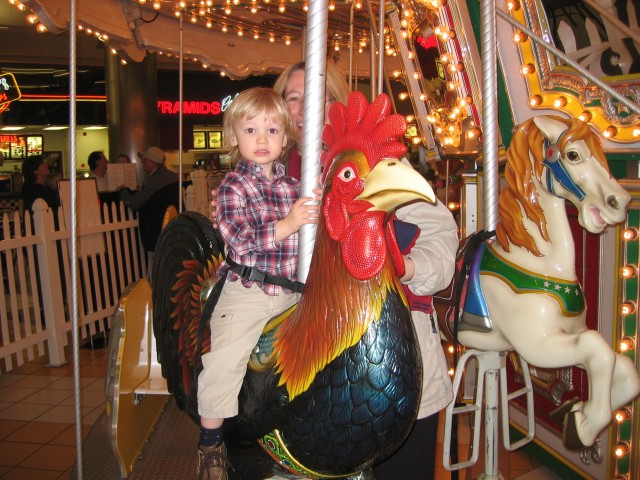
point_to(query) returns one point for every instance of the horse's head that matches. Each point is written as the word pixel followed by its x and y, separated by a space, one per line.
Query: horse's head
pixel 564 158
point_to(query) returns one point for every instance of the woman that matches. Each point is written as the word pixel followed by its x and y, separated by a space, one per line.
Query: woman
pixel 36 177
pixel 429 268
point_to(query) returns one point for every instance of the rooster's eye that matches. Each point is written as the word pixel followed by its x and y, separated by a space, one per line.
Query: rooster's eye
pixel 347 174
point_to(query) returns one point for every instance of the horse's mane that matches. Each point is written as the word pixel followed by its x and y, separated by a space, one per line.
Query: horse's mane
pixel 524 159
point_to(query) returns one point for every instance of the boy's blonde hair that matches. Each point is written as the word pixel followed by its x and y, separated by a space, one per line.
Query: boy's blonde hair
pixel 250 103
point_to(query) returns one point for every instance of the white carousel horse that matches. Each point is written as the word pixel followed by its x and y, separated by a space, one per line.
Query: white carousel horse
pixel 526 296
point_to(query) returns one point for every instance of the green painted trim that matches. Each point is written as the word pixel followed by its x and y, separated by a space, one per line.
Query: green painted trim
pixel 618 162
pixel 568 294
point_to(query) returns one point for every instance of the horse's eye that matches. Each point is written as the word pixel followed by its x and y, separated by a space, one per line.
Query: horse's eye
pixel 573 156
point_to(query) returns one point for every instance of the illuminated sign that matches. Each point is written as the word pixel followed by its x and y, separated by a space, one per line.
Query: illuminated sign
pixel 17 147
pixel 194 107
pixel 9 90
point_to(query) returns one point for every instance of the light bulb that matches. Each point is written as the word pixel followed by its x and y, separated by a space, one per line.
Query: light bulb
pixel 535 100
pixel 520 37
pixel 512 5
pixel 527 69
pixel 621 449
pixel 610 131
pixel 621 414
pixel 585 116
pixel 628 271
pixel 627 308
pixel 560 102
pixel 629 234
pixel 626 344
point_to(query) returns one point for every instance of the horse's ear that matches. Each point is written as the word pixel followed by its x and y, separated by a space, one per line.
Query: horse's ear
pixel 550 126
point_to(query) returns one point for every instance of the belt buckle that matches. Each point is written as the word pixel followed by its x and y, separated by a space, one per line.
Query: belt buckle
pixel 257 275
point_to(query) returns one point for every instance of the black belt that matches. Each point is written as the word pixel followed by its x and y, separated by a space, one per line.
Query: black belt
pixel 254 275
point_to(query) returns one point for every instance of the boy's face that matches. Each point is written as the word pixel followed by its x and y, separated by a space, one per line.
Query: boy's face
pixel 260 139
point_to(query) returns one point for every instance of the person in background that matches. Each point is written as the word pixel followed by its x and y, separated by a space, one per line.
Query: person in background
pixel 123 158
pixel 36 184
pixel 98 164
pixel 160 189
pixel 429 268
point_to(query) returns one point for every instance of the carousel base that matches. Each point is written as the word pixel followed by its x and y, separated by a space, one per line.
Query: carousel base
pixel 170 451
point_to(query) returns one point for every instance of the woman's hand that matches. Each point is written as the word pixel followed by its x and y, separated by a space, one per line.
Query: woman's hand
pixel 214 204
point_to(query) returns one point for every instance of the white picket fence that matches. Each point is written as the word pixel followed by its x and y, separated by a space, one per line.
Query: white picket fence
pixel 35 262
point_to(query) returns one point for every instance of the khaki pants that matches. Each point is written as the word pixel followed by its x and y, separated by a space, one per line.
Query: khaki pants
pixel 236 324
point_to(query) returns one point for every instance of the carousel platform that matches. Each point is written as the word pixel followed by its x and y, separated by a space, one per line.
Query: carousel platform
pixel 168 454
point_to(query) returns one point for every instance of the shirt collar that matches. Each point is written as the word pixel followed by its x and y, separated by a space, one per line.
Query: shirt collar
pixel 245 167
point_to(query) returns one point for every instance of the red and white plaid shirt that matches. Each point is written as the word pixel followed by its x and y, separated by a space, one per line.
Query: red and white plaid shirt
pixel 249 205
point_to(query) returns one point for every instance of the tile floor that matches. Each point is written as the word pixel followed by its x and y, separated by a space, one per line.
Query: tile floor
pixel 37 432
pixel 37 415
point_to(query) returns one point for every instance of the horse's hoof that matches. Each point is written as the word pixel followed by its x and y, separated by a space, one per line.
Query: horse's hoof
pixel 558 414
pixel 570 438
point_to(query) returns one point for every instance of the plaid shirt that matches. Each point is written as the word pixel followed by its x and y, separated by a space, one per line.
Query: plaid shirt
pixel 248 208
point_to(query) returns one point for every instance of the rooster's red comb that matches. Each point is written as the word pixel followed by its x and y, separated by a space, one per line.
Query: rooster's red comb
pixel 369 129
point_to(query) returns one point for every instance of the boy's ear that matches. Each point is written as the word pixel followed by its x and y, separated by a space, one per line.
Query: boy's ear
pixel 285 140
pixel 233 141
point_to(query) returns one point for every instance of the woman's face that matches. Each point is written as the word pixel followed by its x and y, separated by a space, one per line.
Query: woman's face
pixel 294 96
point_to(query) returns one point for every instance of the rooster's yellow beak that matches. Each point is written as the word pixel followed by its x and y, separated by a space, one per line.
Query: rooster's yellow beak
pixel 391 184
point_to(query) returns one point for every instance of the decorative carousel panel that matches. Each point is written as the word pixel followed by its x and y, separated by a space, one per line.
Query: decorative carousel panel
pixel 438 68
pixel 624 454
pixel 603 38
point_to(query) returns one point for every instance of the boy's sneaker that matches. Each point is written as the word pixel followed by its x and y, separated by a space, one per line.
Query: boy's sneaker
pixel 212 462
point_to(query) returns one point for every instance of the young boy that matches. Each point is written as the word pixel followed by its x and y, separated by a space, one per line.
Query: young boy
pixel 258 214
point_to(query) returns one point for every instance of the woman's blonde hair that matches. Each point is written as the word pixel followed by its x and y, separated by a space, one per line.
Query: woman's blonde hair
pixel 248 105
pixel 336 80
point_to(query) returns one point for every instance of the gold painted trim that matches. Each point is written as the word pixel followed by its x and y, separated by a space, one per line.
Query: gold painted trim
pixel 551 81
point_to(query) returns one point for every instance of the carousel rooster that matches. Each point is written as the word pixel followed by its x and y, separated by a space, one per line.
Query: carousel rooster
pixel 333 385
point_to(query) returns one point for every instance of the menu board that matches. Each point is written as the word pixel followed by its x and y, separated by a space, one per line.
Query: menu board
pixel 18 147
pixel 119 174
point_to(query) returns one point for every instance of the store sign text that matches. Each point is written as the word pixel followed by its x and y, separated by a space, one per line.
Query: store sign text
pixel 168 107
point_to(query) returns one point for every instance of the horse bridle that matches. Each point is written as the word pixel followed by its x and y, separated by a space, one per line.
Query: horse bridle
pixel 557 170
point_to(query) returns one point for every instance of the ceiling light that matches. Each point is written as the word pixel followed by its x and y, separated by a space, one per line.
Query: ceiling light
pixel 11 129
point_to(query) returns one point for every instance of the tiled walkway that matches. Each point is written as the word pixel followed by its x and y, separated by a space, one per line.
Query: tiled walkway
pixel 37 416
pixel 37 432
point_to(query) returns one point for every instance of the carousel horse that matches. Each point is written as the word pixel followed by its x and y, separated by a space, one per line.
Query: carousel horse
pixel 522 292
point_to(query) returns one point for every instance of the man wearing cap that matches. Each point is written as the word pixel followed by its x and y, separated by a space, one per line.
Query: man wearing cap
pixel 159 190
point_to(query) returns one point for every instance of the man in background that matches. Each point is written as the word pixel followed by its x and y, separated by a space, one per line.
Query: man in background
pixel 98 164
pixel 160 189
